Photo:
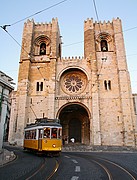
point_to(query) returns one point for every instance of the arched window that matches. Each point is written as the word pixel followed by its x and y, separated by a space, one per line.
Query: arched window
pixel 109 85
pixel 104 45
pixel 42 49
pixel 39 86
pixel 59 50
pixel 105 84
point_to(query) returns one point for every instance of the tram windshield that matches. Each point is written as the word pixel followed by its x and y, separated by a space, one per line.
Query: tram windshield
pixel 47 132
pixel 52 133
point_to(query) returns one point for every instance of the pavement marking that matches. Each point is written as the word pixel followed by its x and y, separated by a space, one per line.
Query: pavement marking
pixel 77 169
pixel 67 156
pixel 74 178
pixel 74 161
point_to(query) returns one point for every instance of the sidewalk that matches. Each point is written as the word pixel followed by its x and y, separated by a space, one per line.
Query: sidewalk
pixel 6 156
pixel 78 147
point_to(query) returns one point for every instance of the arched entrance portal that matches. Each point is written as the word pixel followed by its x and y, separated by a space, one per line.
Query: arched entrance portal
pixel 74 119
pixel 75 129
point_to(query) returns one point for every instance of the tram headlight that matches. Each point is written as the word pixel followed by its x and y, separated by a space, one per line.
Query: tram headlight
pixel 53 145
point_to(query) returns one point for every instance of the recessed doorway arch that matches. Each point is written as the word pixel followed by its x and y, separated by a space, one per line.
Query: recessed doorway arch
pixel 74 118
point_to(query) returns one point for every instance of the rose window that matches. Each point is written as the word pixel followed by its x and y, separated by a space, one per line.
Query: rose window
pixel 74 83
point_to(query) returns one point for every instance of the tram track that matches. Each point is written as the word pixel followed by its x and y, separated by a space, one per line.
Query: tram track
pixel 111 169
pixel 29 166
pixel 70 165
pixel 120 167
pixel 37 171
pixel 46 170
pixel 54 170
pixel 105 169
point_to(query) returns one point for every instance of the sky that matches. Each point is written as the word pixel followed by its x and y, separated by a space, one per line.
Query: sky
pixel 71 15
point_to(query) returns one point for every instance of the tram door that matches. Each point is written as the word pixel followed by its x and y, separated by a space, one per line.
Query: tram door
pixel 40 139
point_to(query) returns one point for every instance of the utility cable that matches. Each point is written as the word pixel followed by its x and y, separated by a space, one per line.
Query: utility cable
pixel 114 34
pixel 40 72
pixel 4 28
pixel 35 13
pixel 73 43
pixel 96 13
pixel 100 37
pixel 96 10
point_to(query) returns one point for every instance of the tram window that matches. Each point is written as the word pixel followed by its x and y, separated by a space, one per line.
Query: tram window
pixel 33 134
pixel 30 134
pixel 47 133
pixel 59 133
pixel 54 133
pixel 26 134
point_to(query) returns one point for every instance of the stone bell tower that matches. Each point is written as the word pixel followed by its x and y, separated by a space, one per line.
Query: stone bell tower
pixel 91 95
pixel 41 46
pixel 112 103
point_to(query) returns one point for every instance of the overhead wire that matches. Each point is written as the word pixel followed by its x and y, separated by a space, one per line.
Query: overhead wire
pixel 36 13
pixel 15 41
pixel 100 33
pixel 63 46
pixel 4 27
pixel 40 73
pixel 96 13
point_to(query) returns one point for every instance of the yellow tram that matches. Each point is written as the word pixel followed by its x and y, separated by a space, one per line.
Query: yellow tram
pixel 45 135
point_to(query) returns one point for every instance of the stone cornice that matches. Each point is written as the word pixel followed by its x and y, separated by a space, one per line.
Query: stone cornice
pixel 72 97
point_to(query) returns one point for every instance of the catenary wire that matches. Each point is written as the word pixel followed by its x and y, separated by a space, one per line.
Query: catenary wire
pixel 35 13
pixel 96 13
pixel 29 53
pixel 5 26
pixel 16 41
pixel 99 71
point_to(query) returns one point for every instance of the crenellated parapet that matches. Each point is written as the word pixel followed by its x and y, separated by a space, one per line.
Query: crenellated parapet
pixel 35 34
pixel 28 22
pixel 51 26
pixel 89 24
pixel 47 26
pixel 97 33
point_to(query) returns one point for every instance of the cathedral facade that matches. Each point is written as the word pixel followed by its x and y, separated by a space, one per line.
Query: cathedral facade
pixel 91 95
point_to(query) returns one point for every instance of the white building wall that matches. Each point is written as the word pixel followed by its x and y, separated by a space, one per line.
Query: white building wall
pixel 5 89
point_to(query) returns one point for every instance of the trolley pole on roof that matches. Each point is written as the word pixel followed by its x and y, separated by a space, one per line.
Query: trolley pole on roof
pixel 33 111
